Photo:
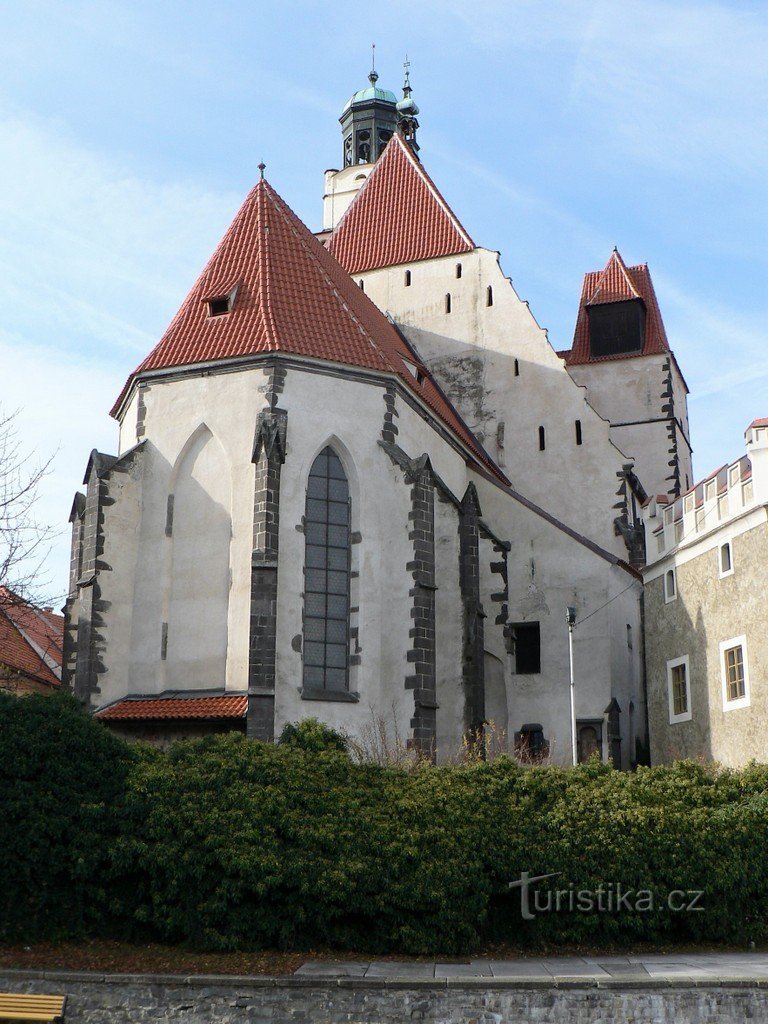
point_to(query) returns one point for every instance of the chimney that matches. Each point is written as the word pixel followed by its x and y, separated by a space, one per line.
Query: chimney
pixel 756 436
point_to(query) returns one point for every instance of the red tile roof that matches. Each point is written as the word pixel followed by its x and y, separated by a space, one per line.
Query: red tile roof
pixel 152 709
pixel 616 283
pixel 398 216
pixel 42 626
pixel 763 422
pixel 18 651
pixel 292 297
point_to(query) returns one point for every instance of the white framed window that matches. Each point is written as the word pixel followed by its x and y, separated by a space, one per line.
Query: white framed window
pixel 725 560
pixel 734 474
pixel 679 690
pixel 670 586
pixel 734 670
pixel 709 490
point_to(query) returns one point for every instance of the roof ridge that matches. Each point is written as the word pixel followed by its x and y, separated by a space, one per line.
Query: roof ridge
pixel 436 193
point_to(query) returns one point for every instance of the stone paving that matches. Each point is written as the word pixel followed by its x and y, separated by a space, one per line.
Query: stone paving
pixel 693 966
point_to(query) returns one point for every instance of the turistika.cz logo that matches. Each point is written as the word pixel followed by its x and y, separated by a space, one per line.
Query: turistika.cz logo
pixel 607 898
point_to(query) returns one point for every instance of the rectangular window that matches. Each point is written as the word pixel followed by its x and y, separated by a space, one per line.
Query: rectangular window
pixel 678 690
pixel 725 560
pixel 735 673
pixel 699 518
pixel 527 648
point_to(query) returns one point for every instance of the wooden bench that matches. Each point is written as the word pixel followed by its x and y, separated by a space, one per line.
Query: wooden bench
pixel 15 1006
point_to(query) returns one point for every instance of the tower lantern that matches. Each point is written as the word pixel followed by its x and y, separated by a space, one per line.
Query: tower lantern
pixel 368 122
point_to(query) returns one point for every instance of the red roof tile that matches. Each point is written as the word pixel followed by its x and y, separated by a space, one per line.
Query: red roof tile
pixel 763 422
pixel 42 626
pixel 616 283
pixel 292 297
pixel 18 654
pixel 152 709
pixel 398 216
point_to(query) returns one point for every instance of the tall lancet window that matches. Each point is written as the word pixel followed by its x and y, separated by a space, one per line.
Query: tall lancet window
pixel 326 575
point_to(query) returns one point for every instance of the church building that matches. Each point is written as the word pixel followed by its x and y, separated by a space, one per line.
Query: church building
pixel 355 481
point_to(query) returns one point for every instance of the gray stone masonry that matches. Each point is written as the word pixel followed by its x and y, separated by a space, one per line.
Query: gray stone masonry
pixel 421 656
pixel 680 989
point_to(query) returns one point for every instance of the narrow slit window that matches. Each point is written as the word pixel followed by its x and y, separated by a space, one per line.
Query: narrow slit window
pixel 517 367
pixel 489 296
pixel 407 279
pixel 448 303
pixel 542 439
pixel 670 585
pixel 726 561
pixel 458 270
pixel 361 282
pixel 326 575
pixel 578 432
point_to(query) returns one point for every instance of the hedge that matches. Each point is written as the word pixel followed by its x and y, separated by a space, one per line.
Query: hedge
pixel 228 843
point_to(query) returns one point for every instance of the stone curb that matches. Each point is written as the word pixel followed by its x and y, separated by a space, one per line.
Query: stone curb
pixel 233 981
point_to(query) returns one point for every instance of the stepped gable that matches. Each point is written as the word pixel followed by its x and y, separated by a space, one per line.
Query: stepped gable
pixel 398 216
pixel 617 283
pixel 286 293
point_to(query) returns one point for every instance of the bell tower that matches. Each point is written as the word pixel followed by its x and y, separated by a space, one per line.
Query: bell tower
pixel 368 122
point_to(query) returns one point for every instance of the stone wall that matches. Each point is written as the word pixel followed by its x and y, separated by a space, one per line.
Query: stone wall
pixel 96 999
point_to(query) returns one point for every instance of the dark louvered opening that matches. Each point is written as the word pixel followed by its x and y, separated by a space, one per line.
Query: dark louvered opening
pixel 616 328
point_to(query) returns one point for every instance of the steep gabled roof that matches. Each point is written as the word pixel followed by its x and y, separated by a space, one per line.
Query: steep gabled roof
pixel 617 283
pixel 398 216
pixel 29 636
pixel 288 294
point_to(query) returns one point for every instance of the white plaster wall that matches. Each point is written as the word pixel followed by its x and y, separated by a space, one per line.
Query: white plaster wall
pixel 449 616
pixel 341 187
pixel 629 391
pixel 122 526
pixel 548 571
pixel 349 415
pixel 198 587
pixel 472 350
pixel 227 404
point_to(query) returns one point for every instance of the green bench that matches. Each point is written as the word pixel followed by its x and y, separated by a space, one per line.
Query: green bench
pixel 15 1006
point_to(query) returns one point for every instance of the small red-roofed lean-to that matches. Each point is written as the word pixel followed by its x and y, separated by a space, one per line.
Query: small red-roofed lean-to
pixel 398 216
pixel 153 709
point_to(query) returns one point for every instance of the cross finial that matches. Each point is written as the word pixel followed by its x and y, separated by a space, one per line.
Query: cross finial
pixel 373 77
pixel 262 168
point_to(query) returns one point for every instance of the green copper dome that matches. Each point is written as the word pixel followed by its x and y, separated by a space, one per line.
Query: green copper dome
pixel 371 93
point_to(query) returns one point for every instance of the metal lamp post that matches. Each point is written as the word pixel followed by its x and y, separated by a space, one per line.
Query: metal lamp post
pixel 570 618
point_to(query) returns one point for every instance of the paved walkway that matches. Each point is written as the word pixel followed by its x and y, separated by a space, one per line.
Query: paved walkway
pixel 693 966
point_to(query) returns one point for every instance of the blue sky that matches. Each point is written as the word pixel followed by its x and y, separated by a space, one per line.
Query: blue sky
pixel 130 132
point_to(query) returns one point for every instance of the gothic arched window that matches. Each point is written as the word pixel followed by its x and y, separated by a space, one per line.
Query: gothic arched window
pixel 326 574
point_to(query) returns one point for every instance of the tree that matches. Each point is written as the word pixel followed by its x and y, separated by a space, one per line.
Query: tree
pixel 24 541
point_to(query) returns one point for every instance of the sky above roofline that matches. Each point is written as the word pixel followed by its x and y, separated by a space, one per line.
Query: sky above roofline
pixel 132 132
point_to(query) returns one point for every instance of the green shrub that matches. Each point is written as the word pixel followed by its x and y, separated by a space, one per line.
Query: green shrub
pixel 62 776
pixel 228 843
pixel 312 735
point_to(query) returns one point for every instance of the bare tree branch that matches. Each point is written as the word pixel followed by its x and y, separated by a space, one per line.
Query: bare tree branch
pixel 24 541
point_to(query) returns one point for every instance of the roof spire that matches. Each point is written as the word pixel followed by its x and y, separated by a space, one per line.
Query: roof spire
pixel 407 110
pixel 262 168
pixel 373 77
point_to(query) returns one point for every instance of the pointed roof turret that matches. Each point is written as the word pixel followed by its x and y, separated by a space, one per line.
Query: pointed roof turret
pixel 398 216
pixel 618 283
pixel 271 286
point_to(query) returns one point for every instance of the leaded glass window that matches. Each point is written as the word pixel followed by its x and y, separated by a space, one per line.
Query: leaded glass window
pixel 326 574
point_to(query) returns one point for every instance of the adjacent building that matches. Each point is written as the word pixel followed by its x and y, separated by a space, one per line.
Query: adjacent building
pixel 706 584
pixel 31 642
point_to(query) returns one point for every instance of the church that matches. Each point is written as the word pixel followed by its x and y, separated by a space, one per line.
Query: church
pixel 355 481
